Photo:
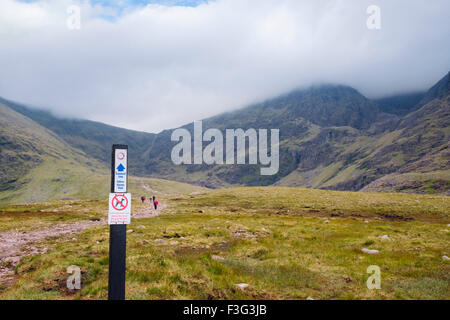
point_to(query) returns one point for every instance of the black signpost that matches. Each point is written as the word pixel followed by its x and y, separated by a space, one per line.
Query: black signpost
pixel 117 243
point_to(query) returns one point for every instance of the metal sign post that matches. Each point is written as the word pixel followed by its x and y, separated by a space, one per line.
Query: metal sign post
pixel 118 218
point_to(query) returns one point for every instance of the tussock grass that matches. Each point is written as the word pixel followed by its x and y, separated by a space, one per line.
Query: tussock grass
pixel 285 243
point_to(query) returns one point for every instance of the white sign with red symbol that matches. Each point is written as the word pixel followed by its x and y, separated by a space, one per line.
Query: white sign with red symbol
pixel 120 170
pixel 119 208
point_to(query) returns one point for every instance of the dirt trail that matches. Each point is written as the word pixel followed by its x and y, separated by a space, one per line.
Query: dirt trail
pixel 146 187
pixel 16 245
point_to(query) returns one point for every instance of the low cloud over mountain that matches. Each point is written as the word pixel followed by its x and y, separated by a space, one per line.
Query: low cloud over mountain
pixel 171 62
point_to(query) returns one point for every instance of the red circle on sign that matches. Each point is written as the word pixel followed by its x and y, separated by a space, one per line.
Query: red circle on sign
pixel 121 155
pixel 118 204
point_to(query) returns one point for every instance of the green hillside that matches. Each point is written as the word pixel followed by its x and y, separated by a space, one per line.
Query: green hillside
pixel 25 146
pixel 93 138
pixel 419 144
pixel 331 137
pixel 37 165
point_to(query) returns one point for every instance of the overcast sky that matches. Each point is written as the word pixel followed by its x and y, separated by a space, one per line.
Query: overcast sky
pixel 150 65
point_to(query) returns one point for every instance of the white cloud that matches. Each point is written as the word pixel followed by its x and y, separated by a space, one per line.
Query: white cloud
pixel 163 66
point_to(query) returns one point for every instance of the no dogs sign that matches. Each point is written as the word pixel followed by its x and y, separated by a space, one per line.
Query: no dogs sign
pixel 119 208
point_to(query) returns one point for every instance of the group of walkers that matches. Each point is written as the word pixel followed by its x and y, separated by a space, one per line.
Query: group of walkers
pixel 153 198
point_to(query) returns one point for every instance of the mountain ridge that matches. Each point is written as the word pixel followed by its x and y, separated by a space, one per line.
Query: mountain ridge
pixel 331 137
pixel 92 137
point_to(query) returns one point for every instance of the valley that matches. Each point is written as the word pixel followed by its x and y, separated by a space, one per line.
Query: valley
pixel 330 137
pixel 225 231
pixel 283 243
pixel 224 158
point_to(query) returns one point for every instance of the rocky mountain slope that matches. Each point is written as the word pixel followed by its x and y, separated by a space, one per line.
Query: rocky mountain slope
pixel 93 138
pixel 38 165
pixel 331 137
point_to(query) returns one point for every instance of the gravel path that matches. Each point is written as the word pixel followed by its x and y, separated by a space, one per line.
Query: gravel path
pixel 16 245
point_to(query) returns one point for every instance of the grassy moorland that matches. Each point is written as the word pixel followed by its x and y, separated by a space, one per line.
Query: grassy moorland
pixel 57 179
pixel 284 243
pixel 35 215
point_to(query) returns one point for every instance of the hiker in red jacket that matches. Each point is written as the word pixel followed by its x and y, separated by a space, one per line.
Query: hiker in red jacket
pixel 155 203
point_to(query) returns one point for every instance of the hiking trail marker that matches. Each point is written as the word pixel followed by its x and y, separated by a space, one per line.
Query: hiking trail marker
pixel 120 170
pixel 119 216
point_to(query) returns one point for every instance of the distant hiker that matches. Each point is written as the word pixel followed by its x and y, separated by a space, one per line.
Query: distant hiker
pixel 143 199
pixel 155 203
